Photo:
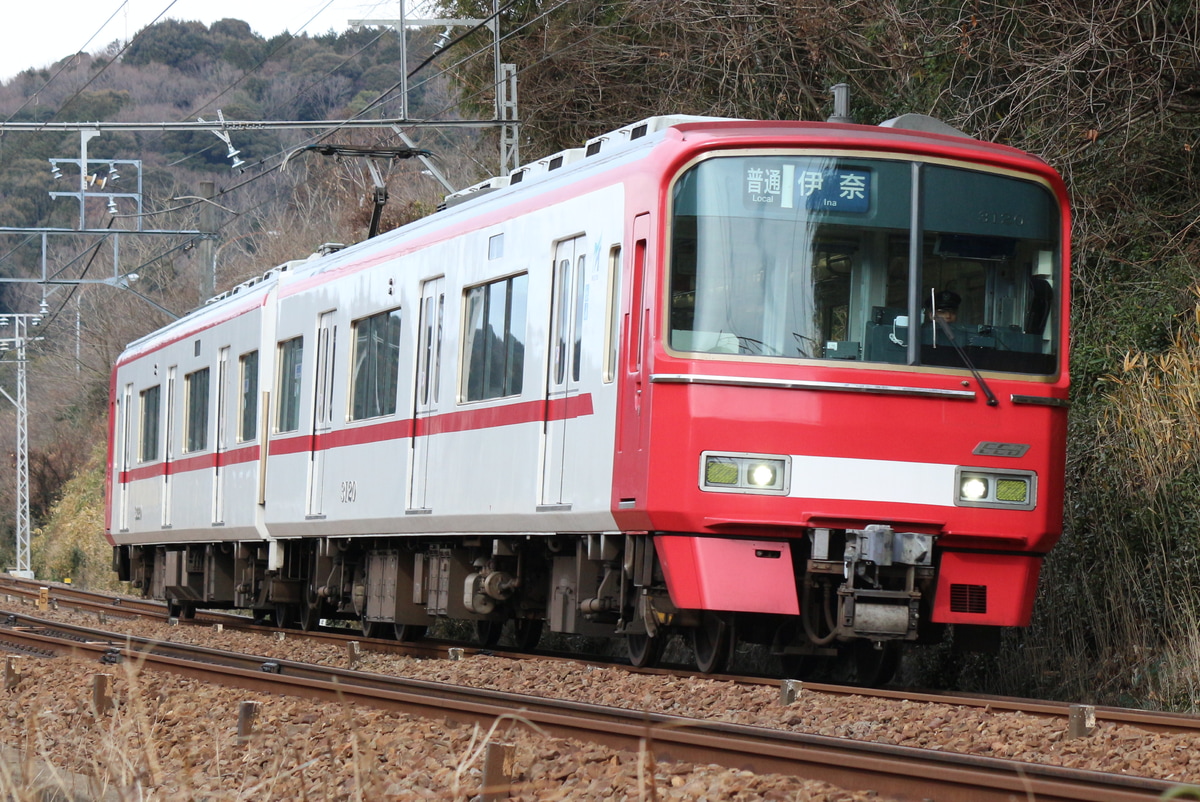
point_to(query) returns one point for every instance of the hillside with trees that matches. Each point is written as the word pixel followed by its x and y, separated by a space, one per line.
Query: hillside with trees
pixel 1107 93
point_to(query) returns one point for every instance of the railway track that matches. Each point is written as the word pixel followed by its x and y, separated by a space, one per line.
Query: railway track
pixel 890 770
pixel 110 605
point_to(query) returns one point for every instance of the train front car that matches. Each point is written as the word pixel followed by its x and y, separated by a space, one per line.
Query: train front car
pixel 844 396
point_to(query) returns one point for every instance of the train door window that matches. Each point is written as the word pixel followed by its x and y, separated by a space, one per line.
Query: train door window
pixel 195 437
pixel 323 391
pixel 125 410
pixel 248 397
pixel 221 398
pixel 291 359
pixel 436 378
pixel 494 345
pixel 429 356
pixel 562 315
pixel 148 435
pixel 614 313
pixel 376 361
pixel 580 294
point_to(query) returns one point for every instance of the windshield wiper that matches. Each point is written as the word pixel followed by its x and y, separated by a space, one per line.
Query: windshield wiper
pixel 987 391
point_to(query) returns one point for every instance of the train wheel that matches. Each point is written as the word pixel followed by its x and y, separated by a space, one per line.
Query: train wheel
pixel 528 632
pixel 867 665
pixel 712 642
pixel 375 629
pixel 487 633
pixel 407 633
pixel 285 617
pixel 310 614
pixel 644 650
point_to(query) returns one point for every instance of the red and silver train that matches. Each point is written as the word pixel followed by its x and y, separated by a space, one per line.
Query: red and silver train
pixel 688 378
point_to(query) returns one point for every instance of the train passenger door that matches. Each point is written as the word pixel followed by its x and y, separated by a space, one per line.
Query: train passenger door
pixel 168 446
pixel 219 448
pixel 427 387
pixel 630 471
pixel 563 371
pixel 322 411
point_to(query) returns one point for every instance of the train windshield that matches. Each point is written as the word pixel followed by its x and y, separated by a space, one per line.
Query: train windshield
pixel 821 257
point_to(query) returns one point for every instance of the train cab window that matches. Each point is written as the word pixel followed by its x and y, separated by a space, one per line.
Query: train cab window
pixel 376 365
pixel 812 257
pixel 248 396
pixel 148 430
pixel 493 354
pixel 291 360
pixel 196 400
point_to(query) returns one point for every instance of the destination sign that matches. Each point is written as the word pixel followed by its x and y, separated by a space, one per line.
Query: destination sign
pixel 789 186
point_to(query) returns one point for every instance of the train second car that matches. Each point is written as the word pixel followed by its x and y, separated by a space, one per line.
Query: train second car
pixel 801 384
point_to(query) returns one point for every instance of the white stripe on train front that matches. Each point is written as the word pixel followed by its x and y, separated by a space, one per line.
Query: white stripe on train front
pixel 872 480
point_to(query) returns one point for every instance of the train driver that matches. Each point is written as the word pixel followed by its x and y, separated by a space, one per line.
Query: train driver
pixel 945 306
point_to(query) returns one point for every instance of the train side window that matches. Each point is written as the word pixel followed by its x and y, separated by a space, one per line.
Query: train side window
pixel 612 321
pixel 494 346
pixel 248 400
pixel 148 435
pixel 195 437
pixel 291 359
pixel 376 360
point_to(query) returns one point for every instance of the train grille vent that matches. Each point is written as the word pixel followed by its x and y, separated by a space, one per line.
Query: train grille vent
pixel 968 598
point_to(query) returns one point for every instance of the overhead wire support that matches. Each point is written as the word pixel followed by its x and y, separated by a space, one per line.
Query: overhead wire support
pixel 17 341
pixel 505 74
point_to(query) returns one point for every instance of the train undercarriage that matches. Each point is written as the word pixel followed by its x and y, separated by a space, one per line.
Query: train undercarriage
pixel 862 593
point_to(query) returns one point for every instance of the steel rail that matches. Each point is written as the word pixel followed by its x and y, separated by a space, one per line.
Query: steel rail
pixel 93 602
pixel 886 769
pixel 1158 721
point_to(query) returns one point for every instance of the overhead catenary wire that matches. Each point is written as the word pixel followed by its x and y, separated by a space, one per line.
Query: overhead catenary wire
pixel 67 62
pixel 268 171
pixel 384 95
pixel 115 58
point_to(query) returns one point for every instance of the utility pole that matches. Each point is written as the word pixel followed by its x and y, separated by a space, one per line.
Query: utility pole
pixel 208 225
pixel 16 341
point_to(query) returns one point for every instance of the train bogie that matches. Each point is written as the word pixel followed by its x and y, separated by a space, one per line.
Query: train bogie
pixel 691 379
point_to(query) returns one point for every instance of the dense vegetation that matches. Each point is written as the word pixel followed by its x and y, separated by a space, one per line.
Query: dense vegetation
pixel 1107 93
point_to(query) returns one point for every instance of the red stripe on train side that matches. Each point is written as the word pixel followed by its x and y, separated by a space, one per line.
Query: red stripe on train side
pixel 463 421
pixel 223 459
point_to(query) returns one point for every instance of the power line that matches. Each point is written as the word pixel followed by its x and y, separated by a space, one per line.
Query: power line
pixel 114 59
pixel 67 62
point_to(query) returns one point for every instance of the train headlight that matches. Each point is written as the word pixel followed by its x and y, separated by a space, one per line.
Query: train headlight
pixel 1002 489
pixel 762 474
pixel 973 488
pixel 744 473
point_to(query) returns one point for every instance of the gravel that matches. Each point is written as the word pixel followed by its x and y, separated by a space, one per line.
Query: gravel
pixel 394 757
